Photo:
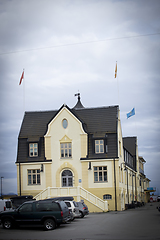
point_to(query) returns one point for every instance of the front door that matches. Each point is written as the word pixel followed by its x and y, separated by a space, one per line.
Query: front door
pixel 67 178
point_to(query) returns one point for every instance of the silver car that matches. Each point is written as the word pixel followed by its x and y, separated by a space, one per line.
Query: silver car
pixel 72 206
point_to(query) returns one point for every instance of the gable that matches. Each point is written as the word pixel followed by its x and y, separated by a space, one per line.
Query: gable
pixel 64 114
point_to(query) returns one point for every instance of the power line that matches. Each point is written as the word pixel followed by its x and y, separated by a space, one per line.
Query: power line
pixel 79 43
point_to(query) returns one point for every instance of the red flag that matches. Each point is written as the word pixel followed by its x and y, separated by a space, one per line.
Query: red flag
pixel 115 71
pixel 22 77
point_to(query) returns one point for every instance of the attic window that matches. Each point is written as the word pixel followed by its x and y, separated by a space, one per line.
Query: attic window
pixel 33 149
pixel 65 123
pixel 99 146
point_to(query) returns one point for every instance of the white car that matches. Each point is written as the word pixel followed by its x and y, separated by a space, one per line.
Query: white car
pixel 73 207
pixel 5 205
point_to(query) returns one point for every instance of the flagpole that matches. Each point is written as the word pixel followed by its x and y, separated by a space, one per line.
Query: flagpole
pixel 23 93
pixel 116 76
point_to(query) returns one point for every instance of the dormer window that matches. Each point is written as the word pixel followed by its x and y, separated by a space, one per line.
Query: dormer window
pixel 99 146
pixel 33 149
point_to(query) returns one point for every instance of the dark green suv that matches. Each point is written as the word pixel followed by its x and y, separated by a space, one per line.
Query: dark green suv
pixel 48 213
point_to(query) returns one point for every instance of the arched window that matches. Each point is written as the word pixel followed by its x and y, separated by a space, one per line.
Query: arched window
pixel 67 178
pixel 107 197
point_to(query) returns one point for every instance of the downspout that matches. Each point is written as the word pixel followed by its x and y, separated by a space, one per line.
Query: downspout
pixel 132 188
pixel 135 188
pixel 127 185
pixel 114 161
pixel 19 179
pixel 115 186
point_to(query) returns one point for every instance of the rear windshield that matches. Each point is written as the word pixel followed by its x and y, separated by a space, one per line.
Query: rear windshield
pixel 63 204
pixel 8 204
pixel 68 204
pixel 47 206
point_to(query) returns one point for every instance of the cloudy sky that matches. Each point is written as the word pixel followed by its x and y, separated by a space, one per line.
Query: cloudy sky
pixel 73 45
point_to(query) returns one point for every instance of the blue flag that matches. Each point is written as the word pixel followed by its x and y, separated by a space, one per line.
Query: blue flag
pixel 131 113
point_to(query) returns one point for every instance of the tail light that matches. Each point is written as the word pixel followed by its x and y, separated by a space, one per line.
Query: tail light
pixel 4 208
pixel 84 208
pixel 61 214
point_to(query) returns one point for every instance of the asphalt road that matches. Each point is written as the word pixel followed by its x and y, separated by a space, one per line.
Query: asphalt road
pixel 139 223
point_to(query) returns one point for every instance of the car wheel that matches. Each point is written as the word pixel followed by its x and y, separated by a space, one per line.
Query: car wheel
pixel 49 224
pixel 82 215
pixel 7 223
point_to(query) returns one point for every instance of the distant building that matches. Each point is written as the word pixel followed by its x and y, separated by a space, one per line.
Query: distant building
pixel 80 152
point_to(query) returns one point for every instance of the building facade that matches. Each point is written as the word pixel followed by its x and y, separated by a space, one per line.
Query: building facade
pixel 79 152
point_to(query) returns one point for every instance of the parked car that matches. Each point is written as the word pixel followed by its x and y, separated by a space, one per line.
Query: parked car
pixel 72 206
pixel 50 214
pixel 18 200
pixel 83 209
pixel 158 198
pixel 62 199
pixel 5 205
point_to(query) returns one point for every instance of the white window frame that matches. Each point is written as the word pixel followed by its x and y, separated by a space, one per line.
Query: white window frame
pixel 66 150
pixel 107 197
pixel 99 146
pixel 100 176
pixel 33 149
pixel 34 176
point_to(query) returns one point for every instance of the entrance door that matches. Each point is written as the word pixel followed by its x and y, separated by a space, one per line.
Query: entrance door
pixel 67 178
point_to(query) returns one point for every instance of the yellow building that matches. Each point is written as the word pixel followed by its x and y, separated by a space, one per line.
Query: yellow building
pixel 77 152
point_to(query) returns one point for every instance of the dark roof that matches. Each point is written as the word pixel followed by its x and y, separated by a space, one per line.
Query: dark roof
pixel 35 123
pixel 129 144
pixel 94 120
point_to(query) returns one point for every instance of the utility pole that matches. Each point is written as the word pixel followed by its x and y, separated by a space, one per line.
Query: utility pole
pixel 1 188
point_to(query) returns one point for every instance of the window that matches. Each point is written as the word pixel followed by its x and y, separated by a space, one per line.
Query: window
pixel 64 123
pixel 33 149
pixel 67 178
pixel 47 206
pixel 99 146
pixel 33 176
pixel 100 174
pixel 26 208
pixel 66 150
pixel 107 197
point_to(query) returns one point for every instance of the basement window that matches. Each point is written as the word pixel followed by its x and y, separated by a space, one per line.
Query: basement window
pixel 107 197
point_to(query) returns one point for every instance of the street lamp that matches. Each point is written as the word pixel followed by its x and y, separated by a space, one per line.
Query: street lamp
pixel 1 187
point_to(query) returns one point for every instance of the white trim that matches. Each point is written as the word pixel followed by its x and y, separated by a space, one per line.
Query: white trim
pixel 64 108
pixel 33 163
pixel 98 160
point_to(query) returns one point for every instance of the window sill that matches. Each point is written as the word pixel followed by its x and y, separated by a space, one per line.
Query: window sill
pixel 102 182
pixel 34 184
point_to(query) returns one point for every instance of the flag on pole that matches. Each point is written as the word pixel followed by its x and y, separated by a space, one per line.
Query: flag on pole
pixel 116 70
pixel 22 77
pixel 131 113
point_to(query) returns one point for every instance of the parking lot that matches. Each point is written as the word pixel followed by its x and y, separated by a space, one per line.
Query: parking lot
pixel 138 223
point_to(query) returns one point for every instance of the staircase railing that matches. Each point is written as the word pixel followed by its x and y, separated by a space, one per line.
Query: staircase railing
pixel 74 192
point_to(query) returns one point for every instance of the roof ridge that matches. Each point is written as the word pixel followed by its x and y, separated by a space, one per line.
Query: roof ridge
pixel 40 111
pixel 97 107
